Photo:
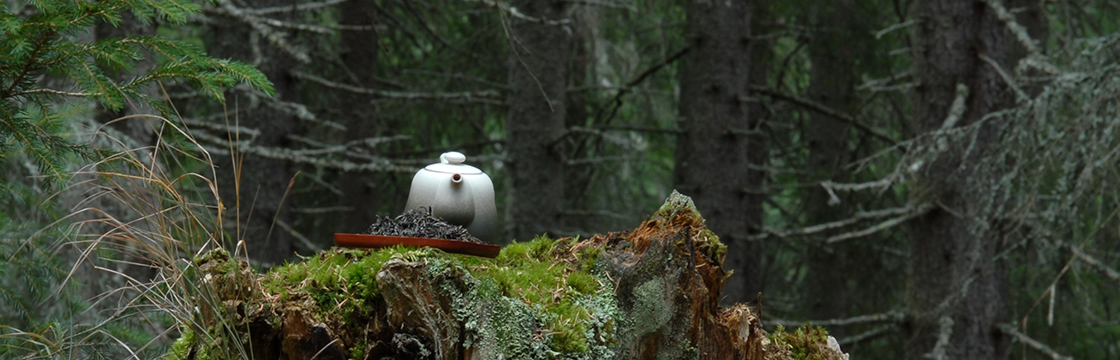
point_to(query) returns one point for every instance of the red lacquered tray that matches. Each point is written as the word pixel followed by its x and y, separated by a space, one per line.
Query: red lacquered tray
pixel 451 246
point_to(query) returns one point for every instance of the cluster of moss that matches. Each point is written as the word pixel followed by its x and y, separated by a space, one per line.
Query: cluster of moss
pixel 342 280
pixel 804 343
pixel 551 278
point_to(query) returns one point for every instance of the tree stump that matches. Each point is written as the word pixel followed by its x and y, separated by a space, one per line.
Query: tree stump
pixel 647 293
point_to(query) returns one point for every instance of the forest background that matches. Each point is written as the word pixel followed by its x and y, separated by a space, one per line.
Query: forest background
pixel 925 178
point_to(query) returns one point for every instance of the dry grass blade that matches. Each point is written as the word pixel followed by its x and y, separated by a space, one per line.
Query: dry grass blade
pixel 145 213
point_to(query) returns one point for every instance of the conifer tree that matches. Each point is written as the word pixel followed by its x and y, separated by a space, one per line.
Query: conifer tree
pixel 42 40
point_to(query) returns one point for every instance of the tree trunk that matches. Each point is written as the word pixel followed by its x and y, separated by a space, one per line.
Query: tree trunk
pixel 359 115
pixel 538 77
pixel 257 195
pixel 958 286
pixel 839 38
pixel 716 147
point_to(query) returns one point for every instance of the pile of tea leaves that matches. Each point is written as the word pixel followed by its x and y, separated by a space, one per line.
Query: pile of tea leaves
pixel 419 223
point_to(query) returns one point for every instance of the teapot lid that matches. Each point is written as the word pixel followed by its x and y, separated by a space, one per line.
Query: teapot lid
pixel 452 163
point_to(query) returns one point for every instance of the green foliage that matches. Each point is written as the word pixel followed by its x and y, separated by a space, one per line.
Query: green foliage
pixel 45 61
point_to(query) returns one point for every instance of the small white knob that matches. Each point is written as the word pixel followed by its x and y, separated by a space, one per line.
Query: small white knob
pixel 452 157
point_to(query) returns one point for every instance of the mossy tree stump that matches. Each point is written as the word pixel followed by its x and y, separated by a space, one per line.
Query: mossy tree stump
pixel 647 293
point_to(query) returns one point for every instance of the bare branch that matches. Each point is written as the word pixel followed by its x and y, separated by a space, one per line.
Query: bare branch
pixel 260 25
pixel 860 216
pixel 881 184
pixel 892 28
pixel 814 106
pixel 1088 259
pixel 917 211
pixel 1034 344
pixel 606 4
pixel 957 109
pixel 214 126
pixel 893 316
pixel 299 7
pixel 1006 77
pixel 56 92
pixel 875 84
pixel 490 97
pixel 512 11
pixel 943 338
pixel 868 335
pixel 374 164
pixel 1035 57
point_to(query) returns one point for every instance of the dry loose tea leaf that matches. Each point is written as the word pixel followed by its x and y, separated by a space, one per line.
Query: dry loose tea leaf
pixel 419 223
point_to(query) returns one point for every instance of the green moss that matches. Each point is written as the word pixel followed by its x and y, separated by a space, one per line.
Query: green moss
pixel 539 299
pixel 711 246
pixel 339 279
pixel 534 274
pixel 181 349
pixel 805 343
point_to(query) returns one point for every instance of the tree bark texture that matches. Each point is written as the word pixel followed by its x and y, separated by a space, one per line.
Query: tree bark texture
pixel 259 190
pixel 538 79
pixel 716 147
pixel 958 286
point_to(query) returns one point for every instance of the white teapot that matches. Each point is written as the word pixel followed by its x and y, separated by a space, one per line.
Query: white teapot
pixel 460 194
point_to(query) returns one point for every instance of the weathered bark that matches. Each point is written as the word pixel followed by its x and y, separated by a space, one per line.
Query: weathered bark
pixel 958 286
pixel 255 187
pixel 655 296
pixel 717 145
pixel 538 79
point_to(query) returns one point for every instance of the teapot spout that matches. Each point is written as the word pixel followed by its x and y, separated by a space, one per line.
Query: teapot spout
pixel 455 202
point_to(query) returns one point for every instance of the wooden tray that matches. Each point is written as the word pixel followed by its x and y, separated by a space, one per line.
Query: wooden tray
pixel 451 246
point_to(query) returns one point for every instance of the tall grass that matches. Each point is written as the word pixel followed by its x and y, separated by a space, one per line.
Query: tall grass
pixel 144 214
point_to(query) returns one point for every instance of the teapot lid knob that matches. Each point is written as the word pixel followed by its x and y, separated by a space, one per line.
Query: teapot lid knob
pixel 452 157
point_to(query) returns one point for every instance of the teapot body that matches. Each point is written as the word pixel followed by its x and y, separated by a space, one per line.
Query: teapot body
pixel 460 194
